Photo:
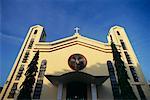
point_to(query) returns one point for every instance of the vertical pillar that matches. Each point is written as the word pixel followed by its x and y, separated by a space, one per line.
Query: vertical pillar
pixel 60 91
pixel 94 92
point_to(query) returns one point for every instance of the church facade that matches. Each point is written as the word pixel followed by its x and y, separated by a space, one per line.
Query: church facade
pixel 75 68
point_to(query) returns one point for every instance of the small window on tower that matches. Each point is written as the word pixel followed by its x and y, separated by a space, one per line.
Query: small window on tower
pixel 31 43
pixel 111 38
pixel 13 89
pixel 123 45
pixel 118 33
pixel 35 31
pixel 128 57
pixel 25 57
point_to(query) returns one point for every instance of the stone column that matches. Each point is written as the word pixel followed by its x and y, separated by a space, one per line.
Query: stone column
pixel 93 92
pixel 60 91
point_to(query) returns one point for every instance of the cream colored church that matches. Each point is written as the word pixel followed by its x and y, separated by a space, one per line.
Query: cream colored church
pixel 75 68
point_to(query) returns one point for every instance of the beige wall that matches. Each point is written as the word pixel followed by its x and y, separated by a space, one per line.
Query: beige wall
pixel 58 65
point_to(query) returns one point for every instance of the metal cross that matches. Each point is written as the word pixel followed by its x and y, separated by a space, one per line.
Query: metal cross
pixel 76 29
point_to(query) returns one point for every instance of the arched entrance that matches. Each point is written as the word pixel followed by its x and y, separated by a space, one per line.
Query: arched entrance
pixel 76 91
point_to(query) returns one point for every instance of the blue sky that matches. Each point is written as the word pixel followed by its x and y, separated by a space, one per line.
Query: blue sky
pixel 59 17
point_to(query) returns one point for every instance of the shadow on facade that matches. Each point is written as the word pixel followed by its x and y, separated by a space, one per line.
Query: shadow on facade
pixel 104 91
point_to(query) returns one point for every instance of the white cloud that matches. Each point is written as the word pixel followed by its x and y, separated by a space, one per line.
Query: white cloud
pixel 10 38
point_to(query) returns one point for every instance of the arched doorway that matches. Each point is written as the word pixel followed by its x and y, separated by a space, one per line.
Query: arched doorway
pixel 76 91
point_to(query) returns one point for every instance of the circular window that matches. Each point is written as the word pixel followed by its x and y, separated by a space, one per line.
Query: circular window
pixel 77 62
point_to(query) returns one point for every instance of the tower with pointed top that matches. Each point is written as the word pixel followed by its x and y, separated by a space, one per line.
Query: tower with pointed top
pixel 77 67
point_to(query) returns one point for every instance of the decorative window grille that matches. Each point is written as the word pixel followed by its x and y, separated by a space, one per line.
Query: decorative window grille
pixel 13 89
pixel 123 45
pixel 38 87
pixel 19 74
pixel 25 57
pixel 128 57
pixel 114 84
pixel 136 79
pixel 31 43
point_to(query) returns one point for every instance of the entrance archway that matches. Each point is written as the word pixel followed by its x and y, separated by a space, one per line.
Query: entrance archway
pixel 76 84
pixel 76 91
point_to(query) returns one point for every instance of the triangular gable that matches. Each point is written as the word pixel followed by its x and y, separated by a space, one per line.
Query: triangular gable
pixel 76 39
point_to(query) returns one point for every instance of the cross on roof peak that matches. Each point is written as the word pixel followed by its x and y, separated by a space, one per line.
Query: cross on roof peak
pixel 77 29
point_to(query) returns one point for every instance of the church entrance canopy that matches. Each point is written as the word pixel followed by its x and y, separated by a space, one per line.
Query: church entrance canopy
pixel 76 77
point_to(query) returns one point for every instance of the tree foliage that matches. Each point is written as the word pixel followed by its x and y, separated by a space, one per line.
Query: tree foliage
pixel 27 85
pixel 126 89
